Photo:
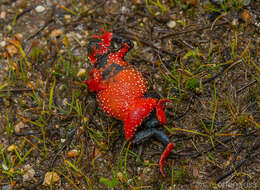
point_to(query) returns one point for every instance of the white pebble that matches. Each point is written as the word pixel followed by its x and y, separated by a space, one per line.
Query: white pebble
pixel 171 24
pixel 5 167
pixel 3 15
pixel 40 9
pixel 235 22
pixel 28 172
pixel 2 44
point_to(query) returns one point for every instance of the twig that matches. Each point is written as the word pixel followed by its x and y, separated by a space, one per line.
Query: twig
pixel 186 110
pixel 191 30
pixel 49 20
pixel 219 17
pixel 238 151
pixel 224 69
pixel 133 36
pixel 247 157
pixel 17 90
pixel 26 134
pixel 227 139
pixel 246 86
pixel 21 14
pixel 66 144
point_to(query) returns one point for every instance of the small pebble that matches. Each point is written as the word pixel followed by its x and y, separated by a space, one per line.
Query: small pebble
pixel 7 187
pixel 19 126
pixel 9 27
pixel 11 49
pixel 3 44
pixel 62 87
pixel 18 36
pixel 65 102
pixel 5 167
pixel 56 33
pixel 28 172
pixel 246 2
pixel 67 17
pixel 246 16
pixel 120 176
pixel 3 15
pixel 171 24
pixel 124 10
pixel 40 9
pixel 50 178
pixel 72 154
pixel 11 148
pixel 235 22
pixel 82 72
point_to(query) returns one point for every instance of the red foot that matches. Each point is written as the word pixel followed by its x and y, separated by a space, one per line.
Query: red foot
pixel 160 110
pixel 163 156
pixel 103 46
pixel 94 83
pixel 106 37
pixel 121 53
pixel 93 56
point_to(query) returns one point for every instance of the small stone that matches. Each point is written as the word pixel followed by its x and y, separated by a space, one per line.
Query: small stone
pixel 57 126
pixel 81 73
pixel 159 88
pixel 246 2
pixel 235 22
pixel 50 178
pixel 124 10
pixel 147 170
pixel 62 87
pixel 28 172
pixel 120 176
pixel 67 17
pixel 11 49
pixel 11 148
pixel 18 36
pixel 40 9
pixel 56 33
pixel 86 33
pixel 7 187
pixel 83 43
pixel 5 167
pixel 171 24
pixel 19 126
pixel 246 16
pixel 3 44
pixel 3 15
pixel 73 153
pixel 9 27
pixel 137 2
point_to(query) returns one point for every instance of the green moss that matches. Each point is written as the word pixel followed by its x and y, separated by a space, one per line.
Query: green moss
pixel 181 176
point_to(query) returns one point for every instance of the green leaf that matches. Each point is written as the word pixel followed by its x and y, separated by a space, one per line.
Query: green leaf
pixel 109 183
pixel 192 83
pixel 51 93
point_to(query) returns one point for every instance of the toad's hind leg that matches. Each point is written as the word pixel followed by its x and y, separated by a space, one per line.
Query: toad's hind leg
pixel 145 134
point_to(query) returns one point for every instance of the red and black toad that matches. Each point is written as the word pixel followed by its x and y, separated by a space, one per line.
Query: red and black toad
pixel 122 92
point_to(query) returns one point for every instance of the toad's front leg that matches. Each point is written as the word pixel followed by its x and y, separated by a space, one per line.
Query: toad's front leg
pixel 94 83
